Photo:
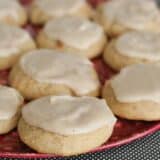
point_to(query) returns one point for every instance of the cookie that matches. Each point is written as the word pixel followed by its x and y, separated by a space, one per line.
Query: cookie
pixel 47 72
pixel 122 16
pixel 41 11
pixel 10 107
pixel 12 12
pixel 66 125
pixel 73 34
pixel 135 92
pixel 133 48
pixel 14 42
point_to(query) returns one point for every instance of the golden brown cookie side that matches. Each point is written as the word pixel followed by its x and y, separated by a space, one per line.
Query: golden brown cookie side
pixel 142 110
pixel 38 16
pixel 9 124
pixel 113 29
pixel 32 89
pixel 60 144
pixel 117 60
pixel 9 61
pixel 43 41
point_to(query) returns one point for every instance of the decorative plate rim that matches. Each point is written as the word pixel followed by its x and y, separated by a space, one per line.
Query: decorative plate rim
pixel 152 130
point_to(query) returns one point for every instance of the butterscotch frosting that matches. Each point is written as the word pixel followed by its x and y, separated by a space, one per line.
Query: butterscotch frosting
pixel 133 14
pixel 76 32
pixel 145 45
pixel 11 40
pixel 57 8
pixel 10 100
pixel 137 83
pixel 54 67
pixel 9 8
pixel 68 115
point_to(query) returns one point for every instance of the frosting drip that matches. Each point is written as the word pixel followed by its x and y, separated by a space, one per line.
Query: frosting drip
pixel 139 45
pixel 10 100
pixel 74 31
pixel 55 67
pixel 68 115
pixel 134 14
pixel 11 39
pixel 59 7
pixel 138 83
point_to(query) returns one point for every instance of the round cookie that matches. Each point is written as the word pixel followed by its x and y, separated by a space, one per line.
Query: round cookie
pixel 66 125
pixel 10 108
pixel 73 34
pixel 133 48
pixel 135 92
pixel 122 16
pixel 41 11
pixel 12 12
pixel 14 42
pixel 47 72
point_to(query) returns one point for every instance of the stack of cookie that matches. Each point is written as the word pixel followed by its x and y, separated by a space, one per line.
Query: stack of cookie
pixel 53 71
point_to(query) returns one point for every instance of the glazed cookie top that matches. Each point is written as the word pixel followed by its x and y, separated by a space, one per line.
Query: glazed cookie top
pixel 10 100
pixel 145 45
pixel 54 67
pixel 134 14
pixel 74 31
pixel 138 82
pixel 11 39
pixel 9 8
pixel 68 115
pixel 59 8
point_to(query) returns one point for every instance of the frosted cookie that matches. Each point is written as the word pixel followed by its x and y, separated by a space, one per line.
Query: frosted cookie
pixel 14 42
pixel 135 92
pixel 12 12
pixel 68 125
pixel 10 106
pixel 132 48
pixel 42 11
pixel 73 34
pixel 46 72
pixel 121 16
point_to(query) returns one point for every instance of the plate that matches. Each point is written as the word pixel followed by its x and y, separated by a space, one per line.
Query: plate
pixel 125 131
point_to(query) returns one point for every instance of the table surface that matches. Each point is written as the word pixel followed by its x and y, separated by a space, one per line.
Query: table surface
pixel 147 148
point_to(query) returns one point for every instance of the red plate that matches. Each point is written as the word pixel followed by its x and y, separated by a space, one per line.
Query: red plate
pixel 125 131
